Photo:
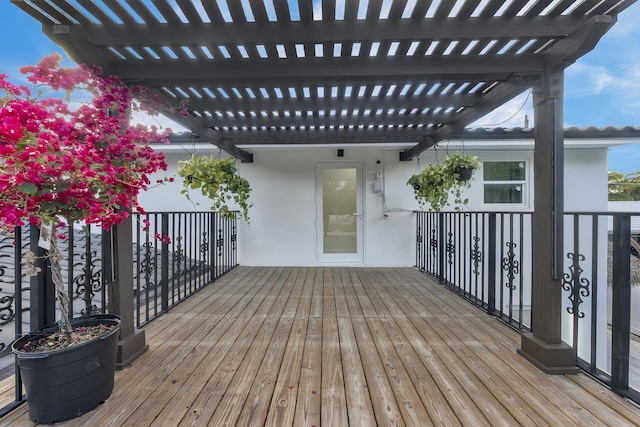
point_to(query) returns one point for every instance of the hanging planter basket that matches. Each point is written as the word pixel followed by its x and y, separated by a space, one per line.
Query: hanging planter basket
pixel 437 182
pixel 465 174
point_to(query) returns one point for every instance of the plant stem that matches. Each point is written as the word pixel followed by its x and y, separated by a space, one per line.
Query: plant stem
pixel 61 293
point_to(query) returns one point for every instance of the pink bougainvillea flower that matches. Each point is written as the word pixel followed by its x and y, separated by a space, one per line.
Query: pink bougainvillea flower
pixel 81 163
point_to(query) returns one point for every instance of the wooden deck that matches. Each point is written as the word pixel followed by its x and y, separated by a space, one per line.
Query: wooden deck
pixel 282 346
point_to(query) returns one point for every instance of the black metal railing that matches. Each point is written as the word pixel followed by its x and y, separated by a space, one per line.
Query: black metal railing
pixel 485 257
pixel 480 256
pixel 602 284
pixel 202 247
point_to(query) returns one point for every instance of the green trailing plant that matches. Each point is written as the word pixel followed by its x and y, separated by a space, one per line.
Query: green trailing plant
pixel 217 179
pixel 461 168
pixel 456 164
pixel 437 182
pixel 431 186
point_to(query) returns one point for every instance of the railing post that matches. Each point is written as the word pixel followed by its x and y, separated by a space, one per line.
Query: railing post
pixel 107 267
pixel 17 266
pixel 491 261
pixel 441 248
pixel 212 245
pixel 215 219
pixel 234 242
pixel 621 304
pixel 41 296
pixel 132 341
pixel 419 241
pixel 164 262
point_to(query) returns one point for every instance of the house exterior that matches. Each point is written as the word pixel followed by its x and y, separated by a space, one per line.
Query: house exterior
pixel 260 78
pixel 287 225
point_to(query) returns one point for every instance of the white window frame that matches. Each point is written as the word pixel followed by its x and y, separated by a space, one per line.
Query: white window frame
pixel 525 186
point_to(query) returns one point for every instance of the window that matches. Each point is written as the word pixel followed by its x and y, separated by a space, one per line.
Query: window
pixel 504 182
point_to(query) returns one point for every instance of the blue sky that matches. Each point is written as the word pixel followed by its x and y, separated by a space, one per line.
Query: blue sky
pixel 601 89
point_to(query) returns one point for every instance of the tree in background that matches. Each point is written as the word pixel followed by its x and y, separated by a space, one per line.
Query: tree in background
pixel 624 187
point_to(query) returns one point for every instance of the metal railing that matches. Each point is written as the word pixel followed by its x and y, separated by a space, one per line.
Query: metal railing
pixel 480 256
pixel 485 257
pixel 602 284
pixel 202 247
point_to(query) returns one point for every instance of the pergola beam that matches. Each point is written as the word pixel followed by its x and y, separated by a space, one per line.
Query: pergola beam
pixel 195 126
pixel 338 104
pixel 490 102
pixel 322 31
pixel 578 43
pixel 318 70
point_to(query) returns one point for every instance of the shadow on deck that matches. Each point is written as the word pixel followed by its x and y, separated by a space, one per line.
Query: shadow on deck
pixel 282 346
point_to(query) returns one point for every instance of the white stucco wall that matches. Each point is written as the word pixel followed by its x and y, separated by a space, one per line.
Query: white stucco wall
pixel 282 229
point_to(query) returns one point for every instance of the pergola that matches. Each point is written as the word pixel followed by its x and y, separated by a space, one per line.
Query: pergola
pixel 280 72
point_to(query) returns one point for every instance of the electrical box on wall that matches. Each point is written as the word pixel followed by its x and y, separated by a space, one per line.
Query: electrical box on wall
pixel 377 186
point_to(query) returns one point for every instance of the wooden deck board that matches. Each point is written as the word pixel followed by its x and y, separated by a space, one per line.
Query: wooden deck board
pixel 337 346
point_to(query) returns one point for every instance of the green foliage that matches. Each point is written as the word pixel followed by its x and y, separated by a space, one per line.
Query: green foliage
pixel 431 186
pixel 456 161
pixel 436 182
pixel 624 187
pixel 218 180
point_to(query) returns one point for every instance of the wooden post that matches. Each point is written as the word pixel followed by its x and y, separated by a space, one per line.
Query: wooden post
pixel 132 342
pixel 544 346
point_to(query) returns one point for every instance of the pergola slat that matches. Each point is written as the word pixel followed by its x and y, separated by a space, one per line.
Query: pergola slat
pixel 453 61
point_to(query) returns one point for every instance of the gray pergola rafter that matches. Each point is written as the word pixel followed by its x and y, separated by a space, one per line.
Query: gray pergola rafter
pixel 304 71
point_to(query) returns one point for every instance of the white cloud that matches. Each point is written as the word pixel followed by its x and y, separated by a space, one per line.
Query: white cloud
pixel 586 80
pixel 619 88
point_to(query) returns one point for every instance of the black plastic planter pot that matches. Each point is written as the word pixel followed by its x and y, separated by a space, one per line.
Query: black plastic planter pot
pixel 464 174
pixel 67 383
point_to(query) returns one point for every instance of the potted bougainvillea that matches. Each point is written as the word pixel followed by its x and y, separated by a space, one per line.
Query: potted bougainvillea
pixel 64 162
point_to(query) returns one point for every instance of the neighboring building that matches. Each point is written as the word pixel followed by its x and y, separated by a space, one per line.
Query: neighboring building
pixel 286 225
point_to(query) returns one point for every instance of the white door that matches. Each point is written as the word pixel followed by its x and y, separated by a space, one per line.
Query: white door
pixel 340 215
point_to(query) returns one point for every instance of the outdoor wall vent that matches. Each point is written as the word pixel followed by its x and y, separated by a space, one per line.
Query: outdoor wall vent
pixel 340 152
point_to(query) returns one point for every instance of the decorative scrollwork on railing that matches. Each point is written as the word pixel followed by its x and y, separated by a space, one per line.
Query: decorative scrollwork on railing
pixel 434 242
pixel 204 246
pixel 179 256
pixel 450 248
pixel 234 236
pixel 220 242
pixel 148 265
pixel 419 236
pixel 511 265
pixel 578 287
pixel 7 314
pixel 91 275
pixel 476 255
